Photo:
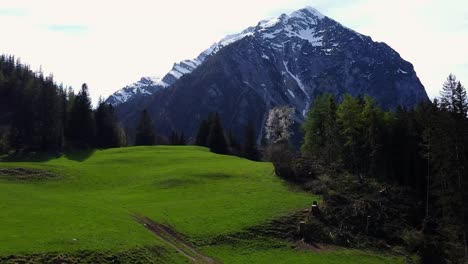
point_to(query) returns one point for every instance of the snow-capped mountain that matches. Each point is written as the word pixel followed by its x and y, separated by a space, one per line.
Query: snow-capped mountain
pixel 149 85
pixel 145 86
pixel 288 60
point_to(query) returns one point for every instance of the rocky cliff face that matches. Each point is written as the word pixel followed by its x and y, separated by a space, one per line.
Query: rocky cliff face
pixel 288 60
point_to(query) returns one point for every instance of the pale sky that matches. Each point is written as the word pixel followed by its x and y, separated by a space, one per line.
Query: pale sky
pixel 110 44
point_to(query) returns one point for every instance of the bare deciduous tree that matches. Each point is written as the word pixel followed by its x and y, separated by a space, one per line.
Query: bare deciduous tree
pixel 278 123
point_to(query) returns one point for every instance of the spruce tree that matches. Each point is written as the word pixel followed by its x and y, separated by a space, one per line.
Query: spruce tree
pixel 177 139
pixel 249 146
pixel 322 138
pixel 145 134
pixel 373 119
pixel 81 126
pixel 182 140
pixel 234 147
pixel 107 134
pixel 352 129
pixel 174 139
pixel 460 101
pixel 216 139
pixel 447 95
pixel 203 132
pixel 49 121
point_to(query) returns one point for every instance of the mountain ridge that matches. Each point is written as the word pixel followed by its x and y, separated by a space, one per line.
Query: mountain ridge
pixel 288 60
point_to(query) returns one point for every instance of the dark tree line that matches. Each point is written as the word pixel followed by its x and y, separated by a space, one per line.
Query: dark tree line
pixel 38 115
pixel 145 134
pixel 211 134
pixel 177 139
pixel 424 149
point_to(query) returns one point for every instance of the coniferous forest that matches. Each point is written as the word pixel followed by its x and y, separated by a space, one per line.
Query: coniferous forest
pixel 409 167
pixel 38 115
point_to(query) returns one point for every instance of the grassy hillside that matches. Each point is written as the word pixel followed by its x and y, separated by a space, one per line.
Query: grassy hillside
pixel 87 200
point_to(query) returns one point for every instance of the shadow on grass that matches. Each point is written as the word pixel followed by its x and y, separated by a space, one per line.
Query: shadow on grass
pixel 76 155
pixel 213 176
pixel 31 157
pixel 79 155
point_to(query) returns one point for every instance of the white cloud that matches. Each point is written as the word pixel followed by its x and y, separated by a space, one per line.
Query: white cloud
pixel 111 44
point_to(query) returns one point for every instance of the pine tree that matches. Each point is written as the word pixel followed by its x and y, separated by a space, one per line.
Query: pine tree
pixel 460 101
pixel 145 134
pixel 234 146
pixel 81 126
pixel 107 134
pixel 373 121
pixel 249 146
pixel 322 138
pixel 49 119
pixel 351 125
pixel 177 139
pixel 203 132
pixel 216 139
pixel 182 140
pixel 447 95
pixel 174 139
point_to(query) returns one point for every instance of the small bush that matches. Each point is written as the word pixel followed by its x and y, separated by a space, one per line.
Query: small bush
pixel 413 239
pixel 290 165
pixel 4 142
pixel 316 232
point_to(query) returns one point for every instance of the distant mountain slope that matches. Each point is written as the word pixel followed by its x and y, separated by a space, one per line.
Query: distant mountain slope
pixel 288 60
pixel 149 85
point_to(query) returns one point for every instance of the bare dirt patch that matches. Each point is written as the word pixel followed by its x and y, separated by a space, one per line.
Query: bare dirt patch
pixel 301 245
pixel 149 254
pixel 171 237
pixel 25 174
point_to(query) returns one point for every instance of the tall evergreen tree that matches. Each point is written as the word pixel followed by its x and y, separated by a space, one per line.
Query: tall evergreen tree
pixel 203 132
pixel 234 146
pixel 447 95
pixel 145 134
pixel 182 140
pixel 453 97
pixel 81 126
pixel 460 101
pixel 322 139
pixel 176 138
pixel 217 140
pixel 352 130
pixel 249 146
pixel 373 121
pixel 49 119
pixel 107 134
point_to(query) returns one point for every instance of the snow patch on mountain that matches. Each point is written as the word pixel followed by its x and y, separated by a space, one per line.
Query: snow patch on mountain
pixel 145 86
pixel 299 24
pixel 301 86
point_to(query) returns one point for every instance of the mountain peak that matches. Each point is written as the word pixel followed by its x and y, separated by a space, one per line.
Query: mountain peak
pixel 299 24
pixel 308 11
pixel 287 60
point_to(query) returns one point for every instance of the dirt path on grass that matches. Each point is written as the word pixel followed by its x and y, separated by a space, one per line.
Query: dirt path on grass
pixel 171 237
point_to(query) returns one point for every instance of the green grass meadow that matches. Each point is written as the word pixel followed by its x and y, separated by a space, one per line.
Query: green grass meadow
pixel 89 204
